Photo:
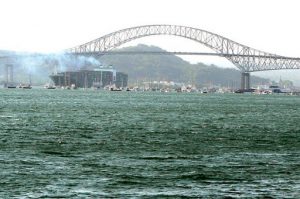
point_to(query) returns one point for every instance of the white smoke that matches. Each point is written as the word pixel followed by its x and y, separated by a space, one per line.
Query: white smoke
pixel 60 62
pixel 40 66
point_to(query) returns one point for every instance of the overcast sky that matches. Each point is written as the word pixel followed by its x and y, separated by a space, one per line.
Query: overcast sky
pixel 54 25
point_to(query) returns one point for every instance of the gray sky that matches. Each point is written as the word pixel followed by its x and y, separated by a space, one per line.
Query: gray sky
pixel 54 25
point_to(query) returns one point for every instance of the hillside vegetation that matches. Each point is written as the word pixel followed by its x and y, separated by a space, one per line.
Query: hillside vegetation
pixel 147 67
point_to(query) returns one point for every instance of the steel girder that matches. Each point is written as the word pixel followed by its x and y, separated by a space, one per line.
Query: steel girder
pixel 243 57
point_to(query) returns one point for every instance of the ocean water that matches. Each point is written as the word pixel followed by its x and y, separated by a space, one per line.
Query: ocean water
pixel 91 144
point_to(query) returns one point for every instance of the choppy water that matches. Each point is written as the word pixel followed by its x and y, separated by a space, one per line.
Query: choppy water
pixel 88 144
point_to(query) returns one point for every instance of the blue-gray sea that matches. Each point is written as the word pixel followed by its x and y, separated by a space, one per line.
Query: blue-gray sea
pixel 95 144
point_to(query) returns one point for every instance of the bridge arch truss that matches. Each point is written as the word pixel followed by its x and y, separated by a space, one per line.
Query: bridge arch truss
pixel 245 58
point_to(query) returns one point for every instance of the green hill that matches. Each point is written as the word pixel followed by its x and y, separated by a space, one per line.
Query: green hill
pixel 172 68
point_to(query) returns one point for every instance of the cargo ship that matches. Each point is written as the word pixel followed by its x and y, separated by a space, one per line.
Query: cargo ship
pixel 100 77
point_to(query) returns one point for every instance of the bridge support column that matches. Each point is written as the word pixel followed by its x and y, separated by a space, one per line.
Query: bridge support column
pixel 9 70
pixel 245 81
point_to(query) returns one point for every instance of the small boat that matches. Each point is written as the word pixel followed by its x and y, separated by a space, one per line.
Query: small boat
pixel 247 91
pixel 25 86
pixel 49 86
pixel 115 89
pixel 276 89
pixel 11 86
pixel 112 88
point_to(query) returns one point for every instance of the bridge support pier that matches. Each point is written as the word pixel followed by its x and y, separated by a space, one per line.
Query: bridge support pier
pixel 245 81
pixel 9 70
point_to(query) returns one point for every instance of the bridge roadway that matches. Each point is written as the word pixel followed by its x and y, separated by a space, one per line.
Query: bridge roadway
pixel 100 53
pixel 116 52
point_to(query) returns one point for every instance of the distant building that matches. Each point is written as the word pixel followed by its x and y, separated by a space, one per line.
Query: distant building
pixel 99 78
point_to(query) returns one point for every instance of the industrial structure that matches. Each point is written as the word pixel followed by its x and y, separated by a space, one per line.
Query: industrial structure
pixel 97 78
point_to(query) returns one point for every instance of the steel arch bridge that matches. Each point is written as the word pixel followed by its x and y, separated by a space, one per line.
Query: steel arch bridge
pixel 245 58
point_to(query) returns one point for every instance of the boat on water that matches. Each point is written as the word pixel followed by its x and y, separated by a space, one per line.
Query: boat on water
pixel 25 86
pixel 246 91
pixel 49 86
pixel 112 88
pixel 115 89
pixel 275 89
pixel 11 86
